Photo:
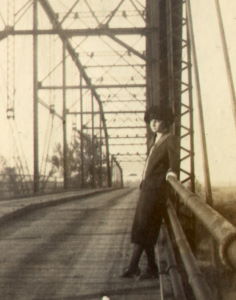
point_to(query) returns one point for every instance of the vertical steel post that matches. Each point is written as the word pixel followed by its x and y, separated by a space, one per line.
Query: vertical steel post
pixel 121 173
pixel 170 54
pixel 93 150
pixel 65 149
pixel 171 71
pixel 100 156
pixel 109 176
pixel 153 70
pixel 81 133
pixel 200 108
pixel 112 166
pixel 191 121
pixel 121 177
pixel 153 53
pixel 35 96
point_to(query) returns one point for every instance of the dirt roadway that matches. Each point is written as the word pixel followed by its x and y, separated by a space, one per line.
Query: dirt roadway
pixel 72 251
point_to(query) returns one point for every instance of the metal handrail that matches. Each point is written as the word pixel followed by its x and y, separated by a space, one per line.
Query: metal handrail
pixel 196 280
pixel 220 228
pixel 173 271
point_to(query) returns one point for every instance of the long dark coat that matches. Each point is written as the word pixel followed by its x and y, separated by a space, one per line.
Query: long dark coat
pixel 151 205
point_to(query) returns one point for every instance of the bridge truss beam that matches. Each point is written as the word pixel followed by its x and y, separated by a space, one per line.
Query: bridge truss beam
pixel 154 69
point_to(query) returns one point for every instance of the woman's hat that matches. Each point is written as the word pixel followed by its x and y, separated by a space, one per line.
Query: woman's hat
pixel 154 112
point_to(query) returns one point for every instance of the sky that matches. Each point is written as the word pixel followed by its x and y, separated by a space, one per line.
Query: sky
pixel 219 124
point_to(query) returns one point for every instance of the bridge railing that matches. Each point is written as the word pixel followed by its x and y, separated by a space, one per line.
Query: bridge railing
pixel 196 279
pixel 220 228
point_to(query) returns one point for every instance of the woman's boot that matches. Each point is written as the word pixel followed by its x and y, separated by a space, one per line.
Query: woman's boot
pixel 152 269
pixel 133 269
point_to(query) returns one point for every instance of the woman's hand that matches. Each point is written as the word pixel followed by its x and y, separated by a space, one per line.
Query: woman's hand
pixel 171 173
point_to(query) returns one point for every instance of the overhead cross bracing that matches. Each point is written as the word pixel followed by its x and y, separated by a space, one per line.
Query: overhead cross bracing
pixel 105 55
pixel 97 65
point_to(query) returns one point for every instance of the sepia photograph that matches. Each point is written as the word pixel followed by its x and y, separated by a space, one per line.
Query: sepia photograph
pixel 118 150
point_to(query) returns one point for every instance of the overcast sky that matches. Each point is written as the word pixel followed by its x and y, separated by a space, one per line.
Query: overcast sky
pixel 220 131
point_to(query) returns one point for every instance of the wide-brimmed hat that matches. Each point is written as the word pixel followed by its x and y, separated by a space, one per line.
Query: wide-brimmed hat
pixel 155 112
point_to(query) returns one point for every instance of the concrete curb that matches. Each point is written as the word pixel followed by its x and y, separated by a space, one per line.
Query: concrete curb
pixel 10 209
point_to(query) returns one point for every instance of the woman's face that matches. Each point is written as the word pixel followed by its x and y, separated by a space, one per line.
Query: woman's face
pixel 155 125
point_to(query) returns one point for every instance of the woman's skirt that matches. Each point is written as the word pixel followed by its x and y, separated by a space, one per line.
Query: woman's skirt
pixel 149 213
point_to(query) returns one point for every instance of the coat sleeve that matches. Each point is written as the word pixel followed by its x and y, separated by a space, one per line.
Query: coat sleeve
pixel 173 154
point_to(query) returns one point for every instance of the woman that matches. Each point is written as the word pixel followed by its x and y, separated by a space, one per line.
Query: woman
pixel 161 162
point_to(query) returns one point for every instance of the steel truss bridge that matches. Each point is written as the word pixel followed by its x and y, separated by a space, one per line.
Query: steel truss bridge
pixel 83 72
pixel 101 71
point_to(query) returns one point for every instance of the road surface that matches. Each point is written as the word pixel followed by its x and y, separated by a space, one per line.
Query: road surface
pixel 72 251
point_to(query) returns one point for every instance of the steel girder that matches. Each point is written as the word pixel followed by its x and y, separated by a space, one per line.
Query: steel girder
pixel 56 25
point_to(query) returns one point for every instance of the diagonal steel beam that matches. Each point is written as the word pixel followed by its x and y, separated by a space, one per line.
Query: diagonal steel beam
pixel 129 48
pixel 69 11
pixel 110 32
pixel 55 23
pixel 114 12
pixel 112 36
pixel 51 109
pixel 140 13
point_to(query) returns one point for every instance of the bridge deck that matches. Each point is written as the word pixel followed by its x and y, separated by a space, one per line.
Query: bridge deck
pixel 76 250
